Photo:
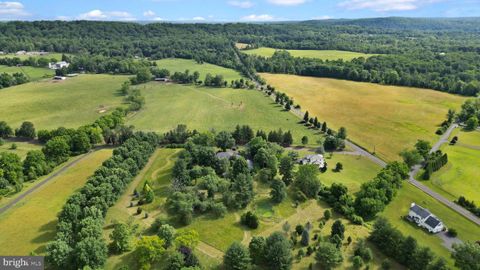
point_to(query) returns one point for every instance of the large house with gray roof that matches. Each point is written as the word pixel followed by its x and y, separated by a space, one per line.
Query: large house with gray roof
pixel 423 218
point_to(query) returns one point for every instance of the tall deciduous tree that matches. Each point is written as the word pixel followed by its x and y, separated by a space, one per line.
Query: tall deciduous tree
pixel 237 257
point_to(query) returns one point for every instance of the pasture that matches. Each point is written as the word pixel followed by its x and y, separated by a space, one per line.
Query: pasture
pixel 32 73
pixel 318 54
pixel 203 108
pixel 180 65
pixel 70 103
pixel 382 119
pixel 22 147
pixel 460 176
pixel 31 224
pixel 49 56
pixel 399 207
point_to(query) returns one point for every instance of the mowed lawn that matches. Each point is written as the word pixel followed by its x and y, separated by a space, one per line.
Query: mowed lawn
pixel 70 103
pixel 382 119
pixel 31 224
pixel 180 65
pixel 399 207
pixel 461 175
pixel 22 147
pixel 203 108
pixel 32 73
pixel 319 54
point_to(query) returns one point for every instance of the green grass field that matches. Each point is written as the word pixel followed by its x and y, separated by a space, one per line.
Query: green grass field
pixel 460 176
pixel 56 56
pixel 399 207
pixel 23 147
pixel 70 103
pixel 386 119
pixel 31 224
pixel 319 54
pixel 202 108
pixel 180 65
pixel 33 73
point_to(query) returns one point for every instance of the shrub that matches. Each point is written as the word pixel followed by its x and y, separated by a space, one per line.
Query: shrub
pixel 452 232
pixel 250 220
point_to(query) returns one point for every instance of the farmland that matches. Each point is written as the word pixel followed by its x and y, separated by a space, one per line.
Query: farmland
pixel 49 56
pixel 29 225
pixel 71 103
pixel 21 147
pixel 203 108
pixel 32 73
pixel 319 54
pixel 459 177
pixel 180 65
pixel 383 119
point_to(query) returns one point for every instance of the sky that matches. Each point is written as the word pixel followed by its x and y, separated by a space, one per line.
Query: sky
pixel 231 10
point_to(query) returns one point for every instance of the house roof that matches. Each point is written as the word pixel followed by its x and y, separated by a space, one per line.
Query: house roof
pixel 432 221
pixel 422 212
pixel 226 155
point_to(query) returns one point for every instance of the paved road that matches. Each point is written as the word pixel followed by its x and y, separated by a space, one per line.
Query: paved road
pixel 43 182
pixel 464 212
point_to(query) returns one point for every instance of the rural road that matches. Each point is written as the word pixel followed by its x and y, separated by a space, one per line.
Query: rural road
pixel 44 181
pixel 464 212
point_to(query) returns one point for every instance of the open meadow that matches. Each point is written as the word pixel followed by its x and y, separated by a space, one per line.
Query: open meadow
pixel 70 103
pixel 49 56
pixel 180 65
pixel 399 207
pixel 319 54
pixel 203 108
pixel 21 147
pixel 31 223
pixel 382 119
pixel 461 175
pixel 32 73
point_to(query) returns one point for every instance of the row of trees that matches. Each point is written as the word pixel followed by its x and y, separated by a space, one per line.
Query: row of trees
pixel 59 145
pixel 79 242
pixel 404 250
pixel 469 205
pixel 7 80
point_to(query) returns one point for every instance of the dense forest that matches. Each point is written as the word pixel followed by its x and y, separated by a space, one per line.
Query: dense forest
pixel 442 54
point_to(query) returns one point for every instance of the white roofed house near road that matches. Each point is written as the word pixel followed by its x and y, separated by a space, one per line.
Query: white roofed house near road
pixel 423 218
pixel 317 159
pixel 58 65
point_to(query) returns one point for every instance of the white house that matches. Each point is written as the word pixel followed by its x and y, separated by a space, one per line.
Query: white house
pixel 162 80
pixel 317 159
pixel 423 218
pixel 58 65
pixel 229 154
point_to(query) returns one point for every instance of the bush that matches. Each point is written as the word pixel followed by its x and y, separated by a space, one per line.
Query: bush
pixel 219 210
pixel 250 220
pixel 139 210
pixel 13 146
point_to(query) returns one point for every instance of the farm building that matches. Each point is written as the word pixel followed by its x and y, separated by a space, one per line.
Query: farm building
pixel 58 65
pixel 229 154
pixel 317 159
pixel 59 78
pixel 162 80
pixel 423 218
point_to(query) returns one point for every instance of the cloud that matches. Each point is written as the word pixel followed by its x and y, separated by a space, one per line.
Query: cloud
pixel 241 4
pixel 325 17
pixel 386 5
pixel 63 18
pixel 97 14
pixel 287 2
pixel 254 17
pixel 158 19
pixel 148 13
pixel 12 10
pixel 198 18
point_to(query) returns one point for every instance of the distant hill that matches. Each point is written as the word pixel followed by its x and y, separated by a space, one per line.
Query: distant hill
pixel 401 23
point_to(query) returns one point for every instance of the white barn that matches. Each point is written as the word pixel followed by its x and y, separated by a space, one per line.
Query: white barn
pixel 58 65
pixel 423 218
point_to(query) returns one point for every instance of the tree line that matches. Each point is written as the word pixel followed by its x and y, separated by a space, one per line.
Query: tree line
pixel 79 242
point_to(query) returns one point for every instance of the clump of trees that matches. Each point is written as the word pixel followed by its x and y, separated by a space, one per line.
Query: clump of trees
pixel 405 250
pixel 7 80
pixel 273 252
pixel 78 242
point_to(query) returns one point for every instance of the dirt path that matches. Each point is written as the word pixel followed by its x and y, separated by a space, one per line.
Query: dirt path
pixel 45 181
pixel 209 250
